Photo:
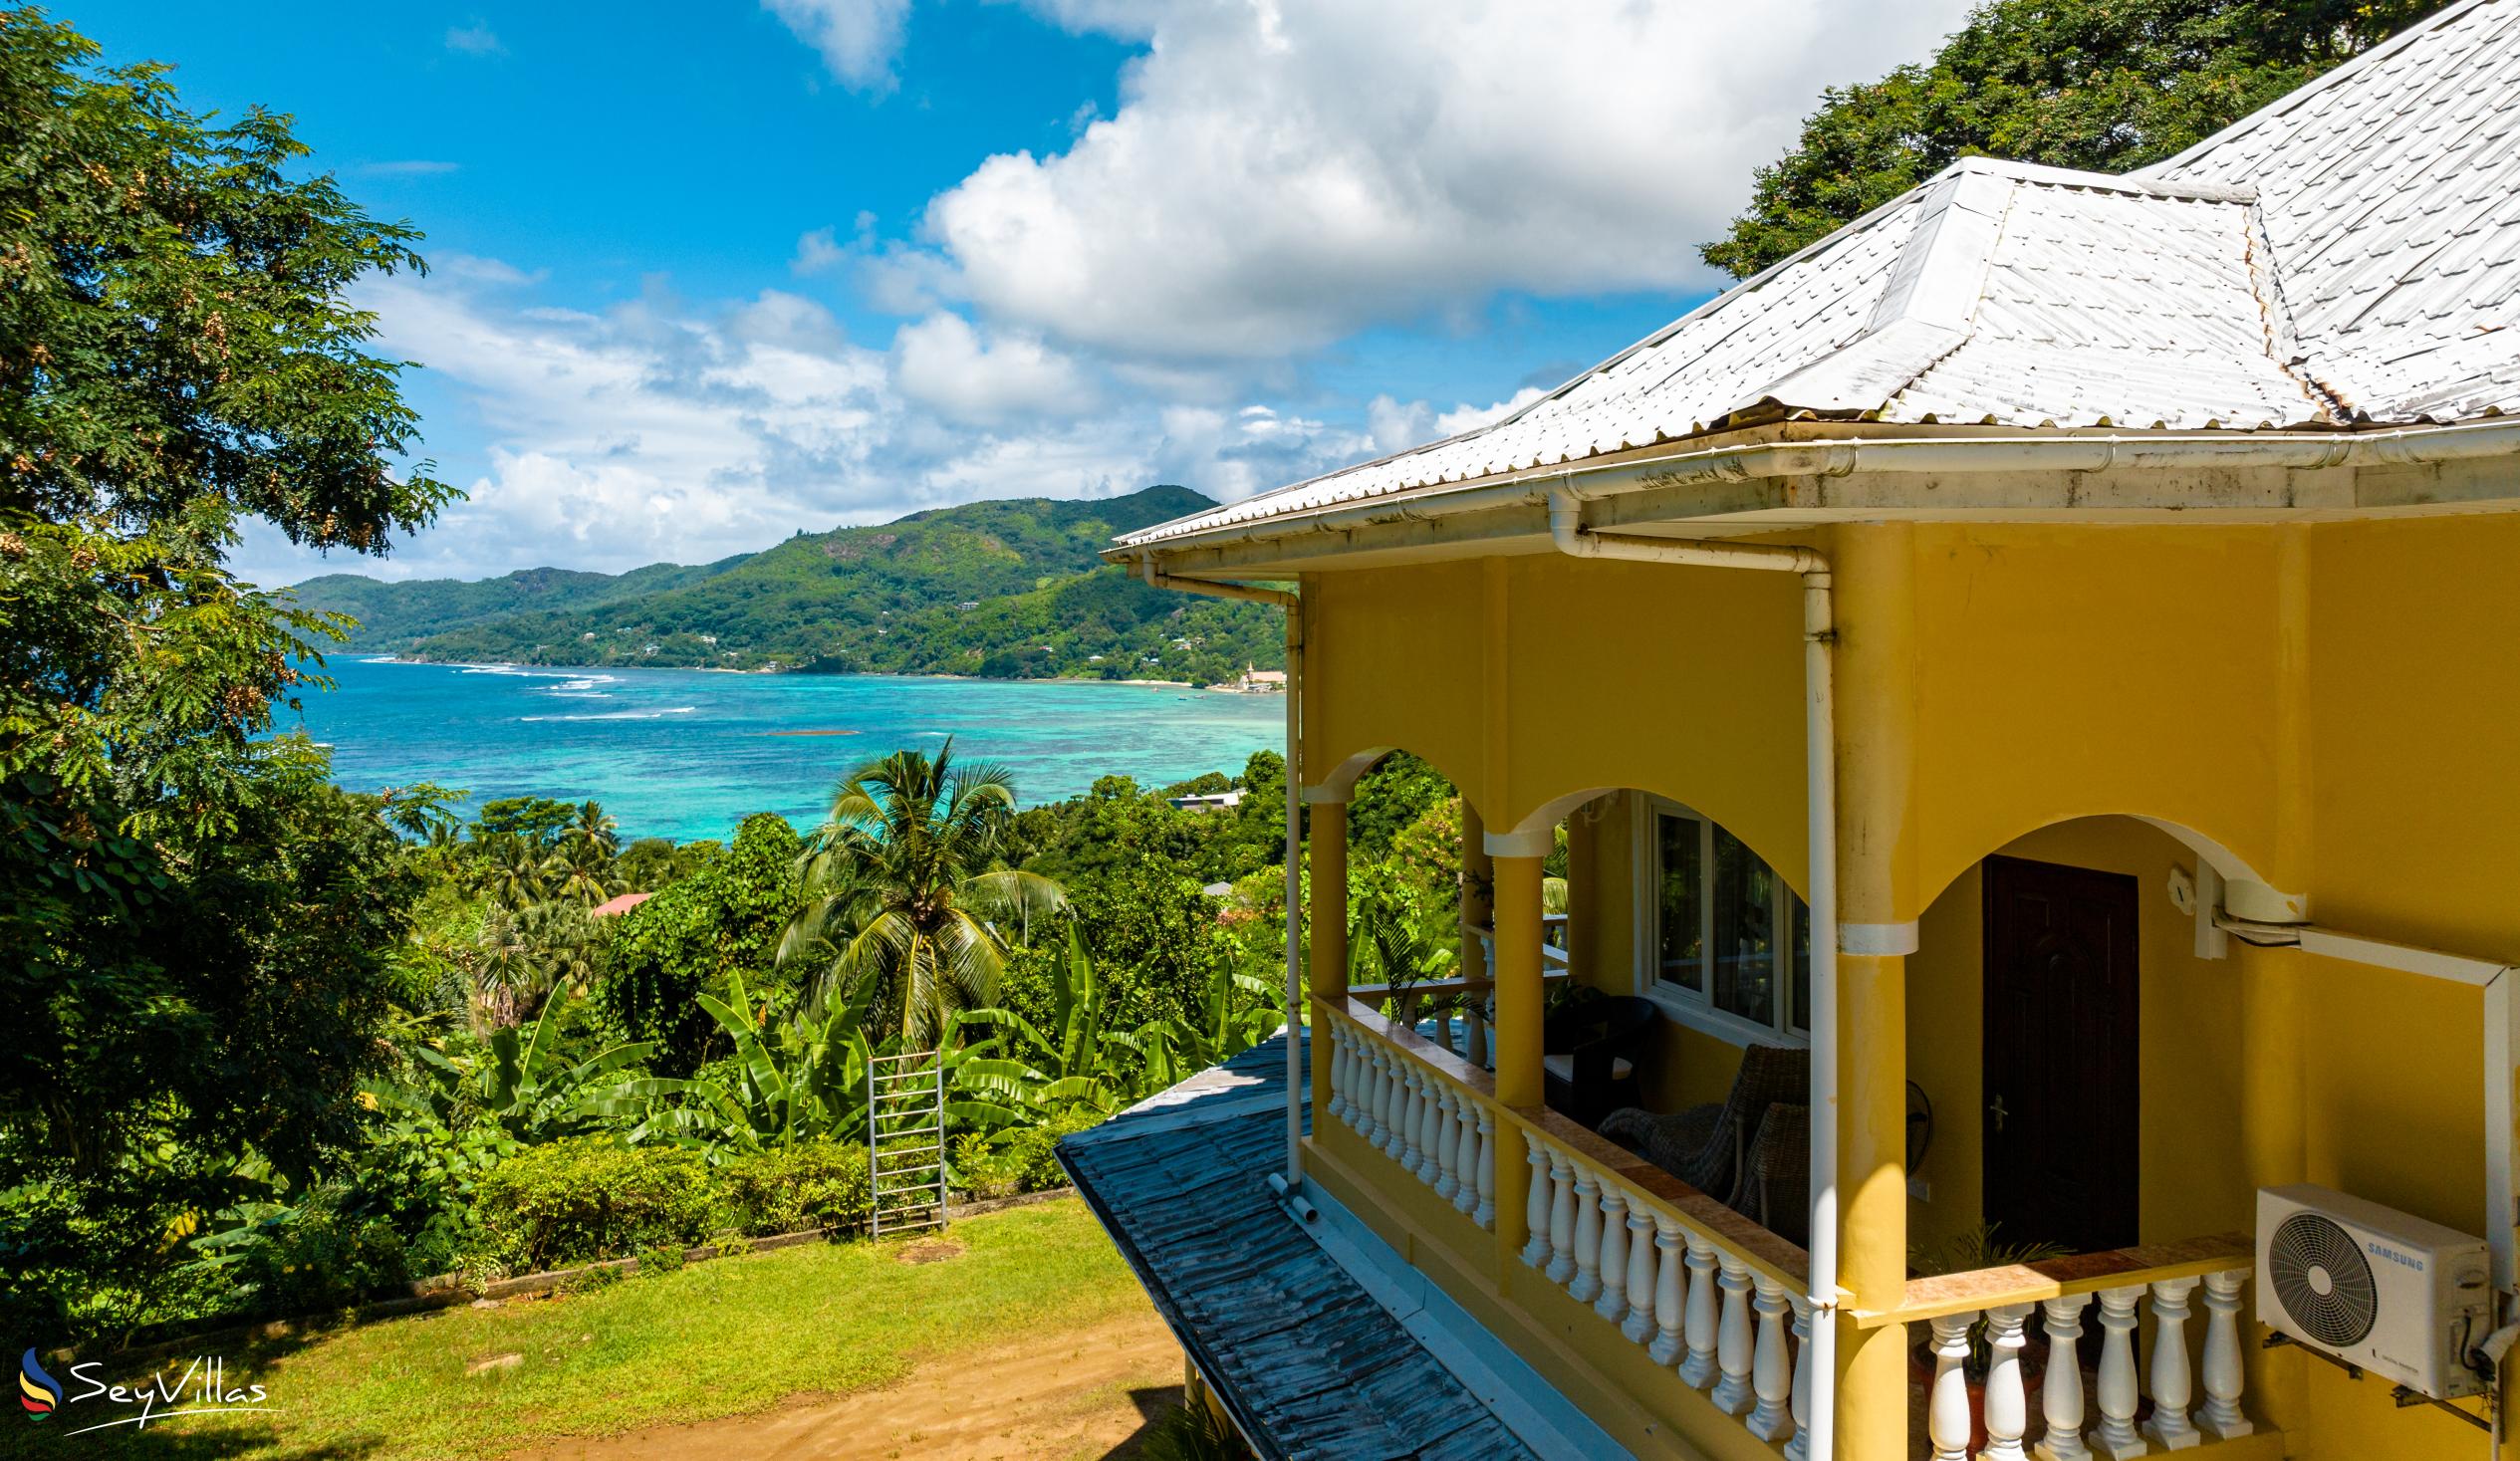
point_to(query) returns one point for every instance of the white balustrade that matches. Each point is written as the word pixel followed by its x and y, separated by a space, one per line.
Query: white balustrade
pixel 1771 1374
pixel 1798 1448
pixel 2061 1392
pixel 1441 1143
pixel 1699 1325
pixel 1587 1283
pixel 1484 1212
pixel 1538 1206
pixel 1639 1290
pixel 2116 1436
pixel 2221 1416
pixel 2008 1404
pixel 1611 1302
pixel 1731 1395
pixel 1466 1155
pixel 1474 1035
pixel 1948 1402
pixel 2172 1384
pixel 1560 1267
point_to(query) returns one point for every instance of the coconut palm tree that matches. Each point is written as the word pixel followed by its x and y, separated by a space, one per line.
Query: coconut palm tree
pixel 507 972
pixel 595 828
pixel 581 871
pixel 906 887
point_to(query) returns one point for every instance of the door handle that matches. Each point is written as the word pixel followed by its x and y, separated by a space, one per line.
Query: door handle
pixel 1998 1112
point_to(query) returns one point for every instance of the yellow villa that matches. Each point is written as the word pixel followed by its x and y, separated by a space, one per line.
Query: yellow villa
pixel 2028 690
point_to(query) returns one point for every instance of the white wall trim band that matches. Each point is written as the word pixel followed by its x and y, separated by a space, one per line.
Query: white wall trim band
pixel 1877 940
pixel 1522 844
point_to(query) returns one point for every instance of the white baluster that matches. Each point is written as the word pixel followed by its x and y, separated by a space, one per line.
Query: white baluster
pixel 2174 1384
pixel 1771 1374
pixel 1698 1327
pixel 1466 1153
pixel 1413 1135
pixel 2007 1401
pixel 1405 1118
pixel 1387 1117
pixel 2061 1394
pixel 1611 1302
pixel 1587 1282
pixel 2116 1435
pixel 1536 1207
pixel 1475 1036
pixel 1336 1102
pixel 1732 1338
pixel 1485 1214
pixel 1448 1166
pixel 1670 1291
pixel 1436 1143
pixel 1639 1325
pixel 2221 1415
pixel 1799 1448
pixel 1561 1217
pixel 1947 1403
pixel 1378 1096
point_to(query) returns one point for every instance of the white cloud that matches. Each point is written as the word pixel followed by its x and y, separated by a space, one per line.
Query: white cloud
pixel 858 37
pixel 817 252
pixel 413 168
pixel 476 39
pixel 658 430
pixel 1280 174
pixel 942 362
pixel 1467 418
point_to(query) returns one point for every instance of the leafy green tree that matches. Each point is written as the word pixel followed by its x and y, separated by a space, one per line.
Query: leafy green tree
pixel 593 827
pixel 538 821
pixel 2105 84
pixel 907 890
pixel 720 922
pixel 198 933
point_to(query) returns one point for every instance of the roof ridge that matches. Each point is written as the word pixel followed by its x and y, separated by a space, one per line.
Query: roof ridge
pixel 2316 86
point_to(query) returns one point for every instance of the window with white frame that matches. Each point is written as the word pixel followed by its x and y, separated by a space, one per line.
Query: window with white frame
pixel 1724 937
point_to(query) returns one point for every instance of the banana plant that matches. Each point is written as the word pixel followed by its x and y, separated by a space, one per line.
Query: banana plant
pixel 1179 1048
pixel 1019 1074
pixel 521 1082
pixel 802 1078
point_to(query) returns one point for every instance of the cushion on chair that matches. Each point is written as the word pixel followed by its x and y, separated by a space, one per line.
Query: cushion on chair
pixel 1563 1067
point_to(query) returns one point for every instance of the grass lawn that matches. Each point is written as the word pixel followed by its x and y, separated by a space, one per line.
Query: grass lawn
pixel 716 1338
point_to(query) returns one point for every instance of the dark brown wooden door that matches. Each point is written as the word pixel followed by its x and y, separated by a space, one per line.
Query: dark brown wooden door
pixel 2063 1091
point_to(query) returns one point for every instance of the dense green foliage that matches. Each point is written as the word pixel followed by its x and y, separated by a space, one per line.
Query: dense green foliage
pixel 1005 589
pixel 787 1189
pixel 720 923
pixel 2102 85
pixel 198 934
pixel 590 1197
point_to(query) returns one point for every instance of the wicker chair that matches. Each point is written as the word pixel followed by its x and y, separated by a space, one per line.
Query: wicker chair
pixel 1775 1186
pixel 1707 1146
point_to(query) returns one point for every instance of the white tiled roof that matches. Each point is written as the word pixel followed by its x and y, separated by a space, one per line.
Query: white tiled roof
pixel 2349 255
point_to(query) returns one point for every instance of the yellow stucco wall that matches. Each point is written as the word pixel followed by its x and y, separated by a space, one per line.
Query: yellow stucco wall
pixel 2334 708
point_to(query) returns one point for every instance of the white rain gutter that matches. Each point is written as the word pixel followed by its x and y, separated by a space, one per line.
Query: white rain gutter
pixel 1820 770
pixel 2045 452
pixel 1294 607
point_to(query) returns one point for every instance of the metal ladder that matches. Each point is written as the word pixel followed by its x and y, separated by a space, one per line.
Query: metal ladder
pixel 905 1141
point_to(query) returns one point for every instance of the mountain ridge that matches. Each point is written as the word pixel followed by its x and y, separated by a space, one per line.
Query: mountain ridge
pixel 1001 588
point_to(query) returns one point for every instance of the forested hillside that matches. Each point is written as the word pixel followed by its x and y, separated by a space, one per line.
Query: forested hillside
pixel 1007 589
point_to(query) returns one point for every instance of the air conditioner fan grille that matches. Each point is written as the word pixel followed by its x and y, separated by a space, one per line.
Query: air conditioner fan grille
pixel 2323 1280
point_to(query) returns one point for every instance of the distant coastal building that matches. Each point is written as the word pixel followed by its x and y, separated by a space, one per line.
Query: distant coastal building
pixel 616 907
pixel 1209 801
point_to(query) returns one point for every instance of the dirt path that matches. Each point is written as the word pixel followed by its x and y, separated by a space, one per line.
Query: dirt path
pixel 1081 1394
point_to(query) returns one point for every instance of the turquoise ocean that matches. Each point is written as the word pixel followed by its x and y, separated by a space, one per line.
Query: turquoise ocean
pixel 687 754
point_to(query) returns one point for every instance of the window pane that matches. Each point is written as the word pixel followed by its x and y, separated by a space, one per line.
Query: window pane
pixel 1682 932
pixel 1802 965
pixel 1745 932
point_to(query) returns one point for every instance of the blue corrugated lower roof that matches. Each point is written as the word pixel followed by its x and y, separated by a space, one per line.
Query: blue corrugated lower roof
pixel 1308 1363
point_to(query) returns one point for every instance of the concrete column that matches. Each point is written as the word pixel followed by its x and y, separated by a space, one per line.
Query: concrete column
pixel 1876 673
pixel 1518 1040
pixel 1328 969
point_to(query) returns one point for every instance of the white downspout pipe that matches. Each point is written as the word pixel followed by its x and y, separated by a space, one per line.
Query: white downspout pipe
pixel 1820 771
pixel 1294 607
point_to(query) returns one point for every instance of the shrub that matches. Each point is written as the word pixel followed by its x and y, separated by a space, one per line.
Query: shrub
pixel 585 1198
pixel 321 1258
pixel 808 1184
pixel 1021 1159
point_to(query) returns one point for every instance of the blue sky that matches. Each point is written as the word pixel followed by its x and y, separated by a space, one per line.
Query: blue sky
pixel 705 275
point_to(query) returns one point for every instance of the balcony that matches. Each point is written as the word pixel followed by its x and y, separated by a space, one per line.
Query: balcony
pixel 1663 1296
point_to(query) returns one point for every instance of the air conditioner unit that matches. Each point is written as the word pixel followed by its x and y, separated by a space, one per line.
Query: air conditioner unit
pixel 2404 1297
